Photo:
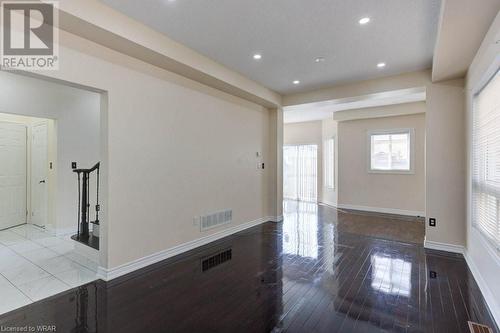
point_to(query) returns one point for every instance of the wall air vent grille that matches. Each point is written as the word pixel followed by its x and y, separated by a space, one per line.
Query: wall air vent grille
pixel 216 219
pixel 216 260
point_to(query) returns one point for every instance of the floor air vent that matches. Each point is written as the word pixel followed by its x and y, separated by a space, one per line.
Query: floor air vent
pixel 478 328
pixel 216 219
pixel 215 260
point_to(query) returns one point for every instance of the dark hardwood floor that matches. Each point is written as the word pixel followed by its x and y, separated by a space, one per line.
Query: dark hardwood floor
pixel 312 273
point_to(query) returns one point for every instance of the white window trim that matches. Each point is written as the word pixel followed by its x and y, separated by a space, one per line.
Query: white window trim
pixel 411 131
pixel 325 163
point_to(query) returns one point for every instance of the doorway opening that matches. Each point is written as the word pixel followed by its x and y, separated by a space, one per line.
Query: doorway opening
pixel 300 173
pixel 27 152
pixel 371 162
pixel 47 130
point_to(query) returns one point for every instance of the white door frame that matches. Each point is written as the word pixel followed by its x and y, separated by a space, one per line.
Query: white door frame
pixel 36 180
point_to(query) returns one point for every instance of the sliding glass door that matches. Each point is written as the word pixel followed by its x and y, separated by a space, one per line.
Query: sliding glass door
pixel 300 173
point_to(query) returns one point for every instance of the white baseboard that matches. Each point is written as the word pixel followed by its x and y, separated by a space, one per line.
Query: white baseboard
pixel 275 218
pixel 328 204
pixel 382 210
pixel 487 250
pixel 489 297
pixel 108 274
pixel 444 247
pixel 61 231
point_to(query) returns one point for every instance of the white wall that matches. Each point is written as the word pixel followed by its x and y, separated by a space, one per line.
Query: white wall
pixel 307 133
pixel 445 162
pixel 329 196
pixel 76 115
pixel 360 189
pixel 173 149
pixel 483 259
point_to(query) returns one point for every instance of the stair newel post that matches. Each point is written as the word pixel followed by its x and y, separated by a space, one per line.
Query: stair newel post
pixel 84 224
pixel 84 235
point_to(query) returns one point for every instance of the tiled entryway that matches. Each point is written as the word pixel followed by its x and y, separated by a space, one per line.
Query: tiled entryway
pixel 35 264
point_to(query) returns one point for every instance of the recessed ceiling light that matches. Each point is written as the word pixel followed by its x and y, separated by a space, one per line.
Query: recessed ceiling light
pixel 296 82
pixel 257 56
pixel 364 20
pixel 319 59
pixel 381 65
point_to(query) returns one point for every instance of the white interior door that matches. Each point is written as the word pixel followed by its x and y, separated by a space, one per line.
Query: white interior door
pixel 12 174
pixel 39 174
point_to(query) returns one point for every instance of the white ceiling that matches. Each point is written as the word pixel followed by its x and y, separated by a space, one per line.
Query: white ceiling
pixel 325 109
pixel 290 34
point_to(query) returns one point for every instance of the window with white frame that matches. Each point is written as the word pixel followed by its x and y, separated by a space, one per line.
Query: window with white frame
pixel 329 164
pixel 486 161
pixel 391 151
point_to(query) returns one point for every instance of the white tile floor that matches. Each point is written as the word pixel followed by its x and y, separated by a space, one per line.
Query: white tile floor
pixel 34 264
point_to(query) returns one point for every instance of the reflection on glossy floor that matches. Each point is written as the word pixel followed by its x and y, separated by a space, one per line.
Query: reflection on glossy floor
pixel 304 275
pixel 387 226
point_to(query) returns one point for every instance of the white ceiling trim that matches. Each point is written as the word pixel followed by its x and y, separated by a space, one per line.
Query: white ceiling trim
pixel 325 109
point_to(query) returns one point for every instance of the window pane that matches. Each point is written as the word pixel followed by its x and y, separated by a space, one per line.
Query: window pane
pixel 300 172
pixel 380 152
pixel 400 152
pixel 390 151
pixel 486 161
pixel 329 164
pixel 290 172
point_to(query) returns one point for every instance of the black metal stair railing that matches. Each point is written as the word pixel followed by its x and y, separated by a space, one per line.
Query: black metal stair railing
pixel 84 235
